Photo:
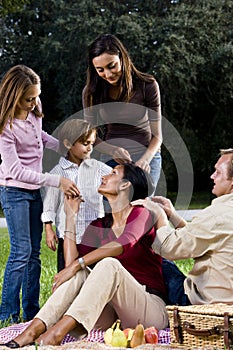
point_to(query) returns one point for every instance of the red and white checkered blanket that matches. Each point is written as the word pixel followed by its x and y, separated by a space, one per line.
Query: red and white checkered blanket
pixel 8 333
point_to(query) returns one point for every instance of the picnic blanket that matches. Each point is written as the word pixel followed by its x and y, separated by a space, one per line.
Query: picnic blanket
pixel 10 332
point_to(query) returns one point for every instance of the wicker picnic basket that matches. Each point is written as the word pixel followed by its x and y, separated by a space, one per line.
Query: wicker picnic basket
pixel 201 325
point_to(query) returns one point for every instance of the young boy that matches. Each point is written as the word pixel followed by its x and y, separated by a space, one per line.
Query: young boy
pixel 76 144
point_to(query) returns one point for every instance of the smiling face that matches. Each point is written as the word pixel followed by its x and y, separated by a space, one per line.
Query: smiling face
pixel 111 183
pixel 108 67
pixel 28 101
pixel 223 184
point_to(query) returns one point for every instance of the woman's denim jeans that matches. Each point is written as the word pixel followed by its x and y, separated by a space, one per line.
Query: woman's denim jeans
pixel 22 209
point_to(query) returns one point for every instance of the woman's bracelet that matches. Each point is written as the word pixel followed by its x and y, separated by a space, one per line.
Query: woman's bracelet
pixel 70 234
pixel 82 263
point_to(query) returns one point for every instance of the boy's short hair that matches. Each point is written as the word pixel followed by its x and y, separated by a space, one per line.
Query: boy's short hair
pixel 74 130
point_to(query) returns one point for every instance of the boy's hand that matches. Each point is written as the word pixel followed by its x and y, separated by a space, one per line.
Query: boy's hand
pixel 51 237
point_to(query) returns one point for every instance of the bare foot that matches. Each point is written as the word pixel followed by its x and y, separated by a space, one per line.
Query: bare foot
pixel 55 334
pixel 49 338
pixel 33 331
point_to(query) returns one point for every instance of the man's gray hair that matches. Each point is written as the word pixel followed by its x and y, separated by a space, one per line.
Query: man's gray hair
pixel 230 168
pixel 226 151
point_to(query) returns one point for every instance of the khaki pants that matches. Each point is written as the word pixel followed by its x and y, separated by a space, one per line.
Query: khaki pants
pixel 96 299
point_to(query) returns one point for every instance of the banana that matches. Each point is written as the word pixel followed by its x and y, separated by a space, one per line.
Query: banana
pixel 118 337
pixel 108 334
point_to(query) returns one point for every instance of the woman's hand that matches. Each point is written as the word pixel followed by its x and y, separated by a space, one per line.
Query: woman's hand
pixel 72 205
pixel 143 164
pixel 121 155
pixel 64 275
pixel 68 187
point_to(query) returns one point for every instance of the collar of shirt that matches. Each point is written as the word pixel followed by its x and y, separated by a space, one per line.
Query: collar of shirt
pixel 65 163
pixel 223 198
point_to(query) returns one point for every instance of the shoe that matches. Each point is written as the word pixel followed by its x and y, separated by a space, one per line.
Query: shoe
pixel 12 344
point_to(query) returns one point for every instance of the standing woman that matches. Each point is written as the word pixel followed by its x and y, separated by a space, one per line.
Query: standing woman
pixel 132 129
pixel 22 142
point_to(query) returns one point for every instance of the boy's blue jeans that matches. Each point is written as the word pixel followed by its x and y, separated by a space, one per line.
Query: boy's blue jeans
pixel 22 209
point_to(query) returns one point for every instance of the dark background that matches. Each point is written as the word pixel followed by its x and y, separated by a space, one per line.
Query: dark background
pixel 186 45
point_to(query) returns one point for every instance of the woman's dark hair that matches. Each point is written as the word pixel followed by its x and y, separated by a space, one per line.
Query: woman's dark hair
pixel 141 181
pixel 141 187
pixel 96 90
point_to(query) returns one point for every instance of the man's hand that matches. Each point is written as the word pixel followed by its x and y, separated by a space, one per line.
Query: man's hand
pixel 165 203
pixel 156 209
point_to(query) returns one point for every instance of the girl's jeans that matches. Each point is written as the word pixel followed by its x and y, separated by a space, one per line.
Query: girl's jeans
pixel 22 209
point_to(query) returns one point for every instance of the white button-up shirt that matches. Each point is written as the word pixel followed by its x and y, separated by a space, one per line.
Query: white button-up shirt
pixel 87 177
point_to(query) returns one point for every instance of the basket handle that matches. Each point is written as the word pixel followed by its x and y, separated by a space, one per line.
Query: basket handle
pixel 190 329
pixel 177 327
pixel 228 340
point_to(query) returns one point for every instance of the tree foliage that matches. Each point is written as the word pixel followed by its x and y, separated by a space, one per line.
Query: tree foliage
pixel 10 6
pixel 186 44
pixel 196 75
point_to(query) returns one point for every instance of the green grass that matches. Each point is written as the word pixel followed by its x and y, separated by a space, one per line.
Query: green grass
pixel 185 265
pixel 199 200
pixel 48 263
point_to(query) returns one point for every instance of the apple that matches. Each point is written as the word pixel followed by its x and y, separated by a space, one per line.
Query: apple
pixel 128 333
pixel 151 335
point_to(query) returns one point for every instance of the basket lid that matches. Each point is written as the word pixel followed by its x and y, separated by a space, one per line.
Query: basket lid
pixel 217 309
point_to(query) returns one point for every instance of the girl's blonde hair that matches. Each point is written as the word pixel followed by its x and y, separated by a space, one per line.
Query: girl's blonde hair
pixel 13 86
pixel 74 130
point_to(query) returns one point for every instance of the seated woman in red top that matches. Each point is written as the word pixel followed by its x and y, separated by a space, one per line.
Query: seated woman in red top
pixel 126 278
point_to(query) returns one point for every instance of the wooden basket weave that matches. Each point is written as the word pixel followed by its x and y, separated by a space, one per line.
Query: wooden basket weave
pixel 201 325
